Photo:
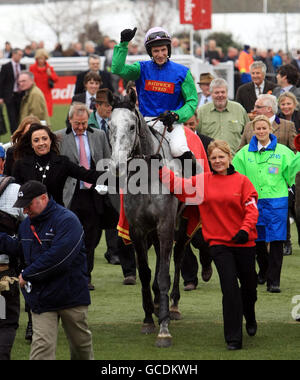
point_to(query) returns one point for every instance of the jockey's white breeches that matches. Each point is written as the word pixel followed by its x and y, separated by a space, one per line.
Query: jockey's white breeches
pixel 176 138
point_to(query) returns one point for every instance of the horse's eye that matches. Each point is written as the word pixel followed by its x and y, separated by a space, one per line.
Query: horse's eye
pixel 132 127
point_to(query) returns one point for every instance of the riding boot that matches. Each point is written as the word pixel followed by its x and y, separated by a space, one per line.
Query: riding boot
pixel 189 168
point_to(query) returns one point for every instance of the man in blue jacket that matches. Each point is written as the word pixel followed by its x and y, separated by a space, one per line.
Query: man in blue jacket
pixel 54 282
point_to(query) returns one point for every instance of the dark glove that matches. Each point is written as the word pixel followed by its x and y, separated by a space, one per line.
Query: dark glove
pixel 241 237
pixel 168 118
pixel 127 34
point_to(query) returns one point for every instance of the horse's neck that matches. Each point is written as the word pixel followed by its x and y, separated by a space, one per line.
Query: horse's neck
pixel 146 139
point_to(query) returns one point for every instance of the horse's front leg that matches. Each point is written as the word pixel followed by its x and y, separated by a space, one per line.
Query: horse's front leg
pixel 164 338
pixel 145 278
pixel 179 249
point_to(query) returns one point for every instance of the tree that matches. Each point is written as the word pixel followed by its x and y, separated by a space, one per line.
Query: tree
pixel 224 40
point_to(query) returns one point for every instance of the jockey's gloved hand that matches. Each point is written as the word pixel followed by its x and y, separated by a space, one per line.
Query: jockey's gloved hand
pixel 168 118
pixel 241 237
pixel 127 34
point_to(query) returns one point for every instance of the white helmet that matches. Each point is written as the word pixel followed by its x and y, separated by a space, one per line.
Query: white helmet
pixel 157 36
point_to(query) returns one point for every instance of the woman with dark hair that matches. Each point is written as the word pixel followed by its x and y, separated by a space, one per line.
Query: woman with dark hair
pixel 37 158
pixel 19 132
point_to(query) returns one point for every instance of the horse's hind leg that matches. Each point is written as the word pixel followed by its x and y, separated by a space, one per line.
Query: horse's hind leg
pixel 145 278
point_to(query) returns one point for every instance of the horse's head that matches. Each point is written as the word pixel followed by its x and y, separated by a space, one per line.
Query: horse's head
pixel 123 132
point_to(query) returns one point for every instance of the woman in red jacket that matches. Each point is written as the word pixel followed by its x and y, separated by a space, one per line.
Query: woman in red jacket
pixel 44 76
pixel 227 204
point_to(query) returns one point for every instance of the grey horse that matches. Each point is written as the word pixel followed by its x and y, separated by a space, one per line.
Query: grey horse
pixel 151 215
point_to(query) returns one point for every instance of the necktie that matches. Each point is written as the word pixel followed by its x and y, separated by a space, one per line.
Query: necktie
pixel 205 101
pixel 93 104
pixel 83 158
pixel 17 77
pixel 259 90
pixel 103 125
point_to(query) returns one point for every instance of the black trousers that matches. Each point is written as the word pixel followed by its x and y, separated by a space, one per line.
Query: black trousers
pixel 189 265
pixel 13 111
pixel 126 254
pixel 83 206
pixel 270 263
pixel 10 324
pixel 233 264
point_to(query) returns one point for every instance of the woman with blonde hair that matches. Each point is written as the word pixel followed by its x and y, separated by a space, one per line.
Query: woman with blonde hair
pixel 289 108
pixel 44 76
pixel 229 216
pixel 271 167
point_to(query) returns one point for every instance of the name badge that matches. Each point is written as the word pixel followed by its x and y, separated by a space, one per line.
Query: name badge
pixel 159 86
pixel 273 170
pixel 2 307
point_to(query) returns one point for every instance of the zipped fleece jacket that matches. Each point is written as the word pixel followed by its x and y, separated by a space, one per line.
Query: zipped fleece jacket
pixel 270 172
pixel 226 204
pixel 55 259
pixel 169 87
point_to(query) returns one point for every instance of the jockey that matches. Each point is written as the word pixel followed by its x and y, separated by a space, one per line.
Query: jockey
pixel 163 87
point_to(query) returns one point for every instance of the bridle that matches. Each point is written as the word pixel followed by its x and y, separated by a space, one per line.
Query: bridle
pixel 137 131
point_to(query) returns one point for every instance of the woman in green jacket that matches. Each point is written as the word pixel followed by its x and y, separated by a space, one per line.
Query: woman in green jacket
pixel 271 167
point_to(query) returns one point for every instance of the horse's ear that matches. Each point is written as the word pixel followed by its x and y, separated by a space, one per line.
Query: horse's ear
pixel 116 101
pixel 132 97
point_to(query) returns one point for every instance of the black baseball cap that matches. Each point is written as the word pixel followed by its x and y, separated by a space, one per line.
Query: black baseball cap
pixel 28 192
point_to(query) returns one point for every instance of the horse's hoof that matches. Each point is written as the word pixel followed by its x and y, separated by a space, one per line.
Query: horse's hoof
pixel 148 328
pixel 175 314
pixel 164 341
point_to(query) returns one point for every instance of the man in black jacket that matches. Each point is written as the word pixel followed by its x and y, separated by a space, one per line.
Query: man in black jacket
pixel 94 65
pixel 247 93
pixel 9 91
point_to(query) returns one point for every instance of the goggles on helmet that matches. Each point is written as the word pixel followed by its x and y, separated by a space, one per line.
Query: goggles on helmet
pixel 157 35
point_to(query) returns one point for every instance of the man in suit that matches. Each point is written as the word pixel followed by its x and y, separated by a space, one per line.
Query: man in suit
pixel 204 96
pixel 247 93
pixel 94 65
pixel 83 200
pixel 92 82
pixel 99 118
pixel 287 78
pixel 284 130
pixel 90 207
pixel 116 247
pixel 9 89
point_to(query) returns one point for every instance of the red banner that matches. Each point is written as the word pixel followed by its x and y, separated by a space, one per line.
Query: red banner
pixel 196 12
pixel 63 90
